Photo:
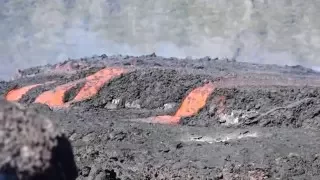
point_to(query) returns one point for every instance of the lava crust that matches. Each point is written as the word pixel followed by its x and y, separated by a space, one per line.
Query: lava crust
pixel 150 117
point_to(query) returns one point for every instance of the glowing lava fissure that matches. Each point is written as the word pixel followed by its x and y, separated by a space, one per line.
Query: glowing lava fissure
pixel 18 93
pixel 93 83
pixel 190 106
pixel 55 97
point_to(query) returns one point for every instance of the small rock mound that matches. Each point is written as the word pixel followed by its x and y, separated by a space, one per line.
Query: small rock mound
pixel 31 147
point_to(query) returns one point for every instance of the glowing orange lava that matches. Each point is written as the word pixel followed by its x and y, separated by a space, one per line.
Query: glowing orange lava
pixel 16 94
pixel 191 105
pixel 95 82
pixel 54 98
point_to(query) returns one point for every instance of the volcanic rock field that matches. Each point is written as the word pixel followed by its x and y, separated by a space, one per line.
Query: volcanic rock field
pixel 151 117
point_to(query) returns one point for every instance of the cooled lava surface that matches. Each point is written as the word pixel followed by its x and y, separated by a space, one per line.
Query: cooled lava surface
pixel 150 117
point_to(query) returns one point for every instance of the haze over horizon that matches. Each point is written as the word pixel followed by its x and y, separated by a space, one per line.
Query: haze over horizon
pixel 280 32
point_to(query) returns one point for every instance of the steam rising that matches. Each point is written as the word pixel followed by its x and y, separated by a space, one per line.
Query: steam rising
pixel 35 32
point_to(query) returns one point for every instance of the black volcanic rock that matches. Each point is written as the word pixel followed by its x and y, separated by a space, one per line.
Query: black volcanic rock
pixel 31 147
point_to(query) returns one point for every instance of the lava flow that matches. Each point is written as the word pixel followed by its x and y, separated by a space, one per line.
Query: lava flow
pixel 191 105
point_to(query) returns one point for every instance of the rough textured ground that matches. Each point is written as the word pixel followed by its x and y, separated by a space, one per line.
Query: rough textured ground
pixel 210 118
pixel 31 147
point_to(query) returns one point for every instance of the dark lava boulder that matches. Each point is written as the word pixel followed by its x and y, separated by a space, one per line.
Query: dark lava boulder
pixel 31 147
